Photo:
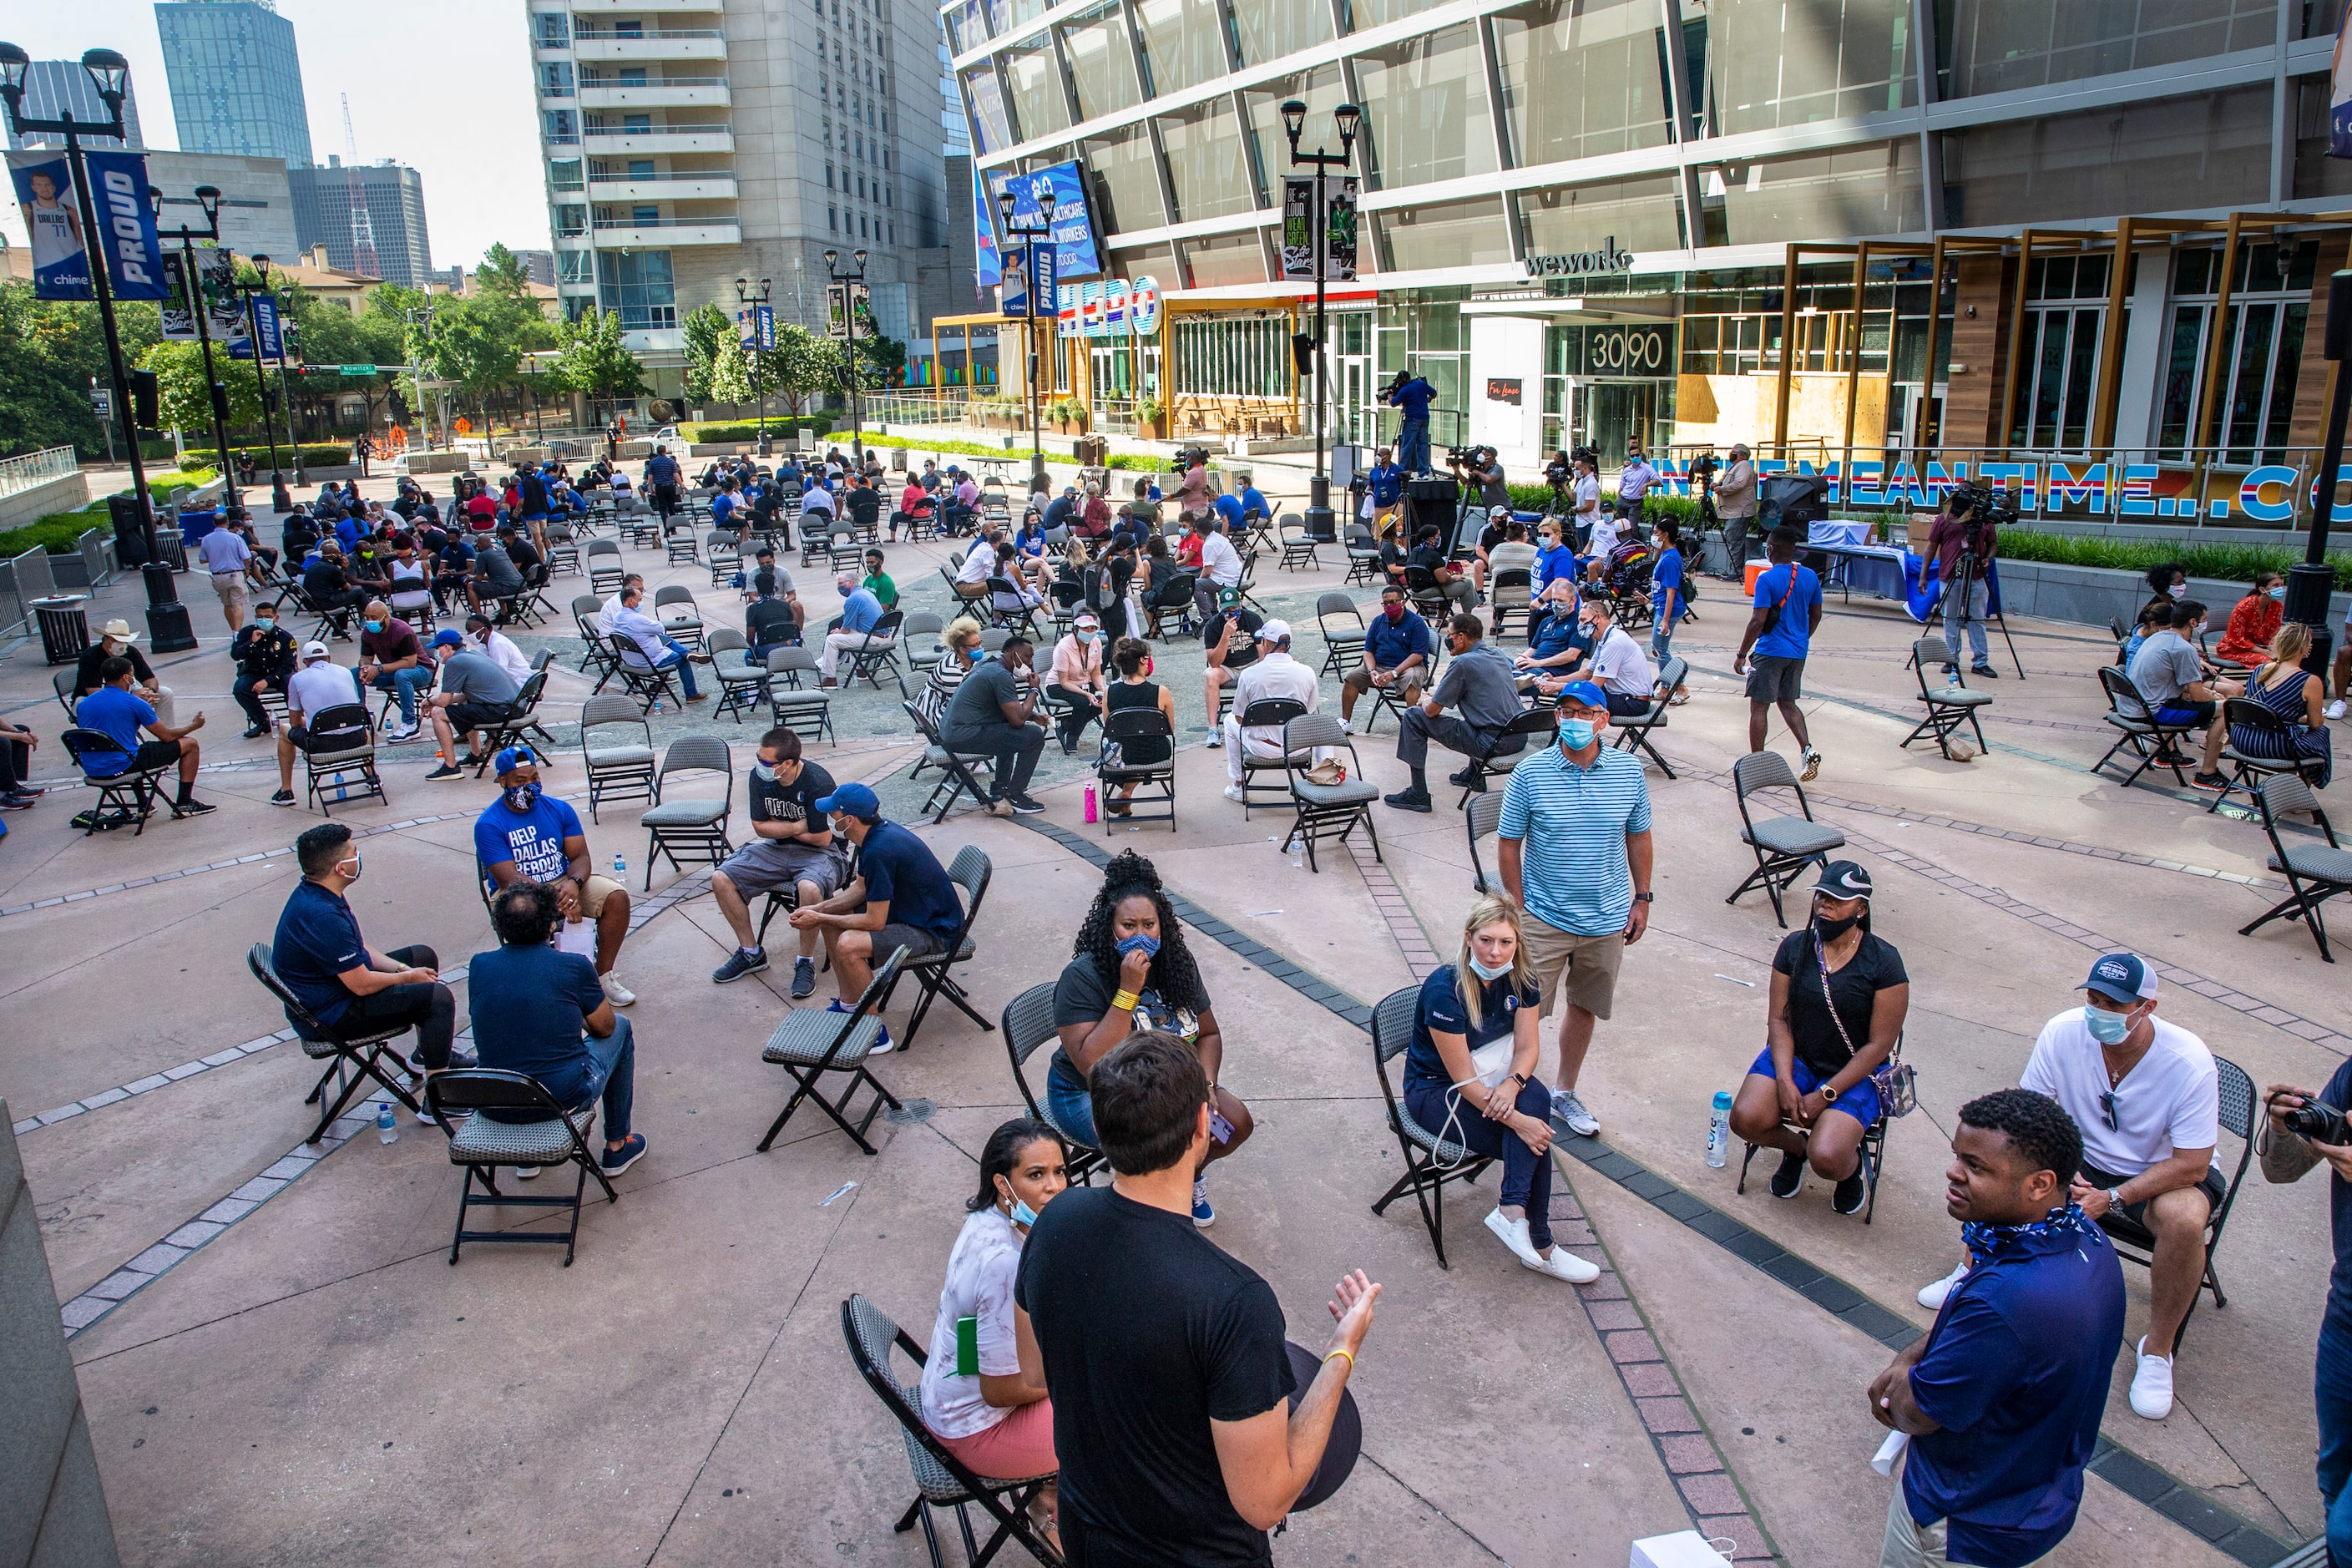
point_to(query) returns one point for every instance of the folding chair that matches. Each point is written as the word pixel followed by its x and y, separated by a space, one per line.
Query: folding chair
pixel 810 1042
pixel 1510 591
pixel 352 1065
pixel 742 685
pixel 2135 1242
pixel 62 682
pixel 1874 1151
pixel 805 710
pixel 646 682
pixel 522 716
pixel 1326 811
pixel 596 653
pixel 605 569
pixel 695 825
pixel 1028 1027
pixel 1178 594
pixel 725 556
pixel 1427 595
pixel 959 771
pixel 2314 873
pixel 687 628
pixel 1297 546
pixel 679 543
pixel 1482 815
pixel 2151 741
pixel 127 797
pixel 552 1137
pixel 1430 1162
pixel 1784 846
pixel 922 656
pixel 1633 733
pixel 1948 706
pixel 1363 555
pixel 970 873
pixel 879 652
pixel 1249 582
pixel 941 1480
pixel 1121 728
pixel 1009 609
pixel 1343 646
pixel 1498 757
pixel 341 757
pixel 619 767
pixel 2251 767
pixel 1266 712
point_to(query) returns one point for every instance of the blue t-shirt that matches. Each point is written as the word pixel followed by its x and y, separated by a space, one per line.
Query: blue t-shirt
pixel 347 534
pixel 1252 502
pixel 1414 399
pixel 533 840
pixel 1229 506
pixel 1668 578
pixel 2016 1374
pixel 1559 561
pixel 318 939
pixel 1441 1008
pixel 723 506
pixel 1792 633
pixel 900 870
pixel 1391 643
pixel 661 468
pixel 529 1006
pixel 117 714
pixel 2338 1093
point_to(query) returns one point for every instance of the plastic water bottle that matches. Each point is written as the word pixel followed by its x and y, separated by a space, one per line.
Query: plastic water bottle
pixel 386 1129
pixel 1299 851
pixel 620 867
pixel 1718 1131
pixel 1090 803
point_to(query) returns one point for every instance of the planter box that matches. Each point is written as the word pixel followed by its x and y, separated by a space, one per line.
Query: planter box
pixel 2092 595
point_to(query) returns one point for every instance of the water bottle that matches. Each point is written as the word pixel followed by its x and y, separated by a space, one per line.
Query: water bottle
pixel 1090 803
pixel 1718 1131
pixel 620 869
pixel 1299 851
pixel 386 1130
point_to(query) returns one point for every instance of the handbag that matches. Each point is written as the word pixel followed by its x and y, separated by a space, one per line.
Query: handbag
pixel 1895 1080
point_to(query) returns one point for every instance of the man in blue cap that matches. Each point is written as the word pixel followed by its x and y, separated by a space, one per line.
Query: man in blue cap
pixel 475 691
pixel 901 897
pixel 529 835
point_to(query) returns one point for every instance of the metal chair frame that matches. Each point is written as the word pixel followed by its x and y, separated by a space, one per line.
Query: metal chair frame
pixel 886 976
pixel 704 843
pixel 473 1089
pixel 352 1065
pixel 615 781
pixel 970 872
pixel 1775 871
pixel 2128 711
pixel 2240 1108
pixel 1027 1026
pixel 132 792
pixel 1425 1176
pixel 1946 713
pixel 1159 778
pixel 1312 821
pixel 2307 891
pixel 1633 733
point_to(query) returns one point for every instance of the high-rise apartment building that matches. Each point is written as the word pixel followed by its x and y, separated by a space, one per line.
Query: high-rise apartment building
pixel 236 78
pixel 56 87
pixel 691 142
pixel 369 216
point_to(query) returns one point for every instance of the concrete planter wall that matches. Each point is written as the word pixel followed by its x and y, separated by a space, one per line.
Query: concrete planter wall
pixel 2092 595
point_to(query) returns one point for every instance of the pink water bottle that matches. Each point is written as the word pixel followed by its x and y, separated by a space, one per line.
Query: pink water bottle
pixel 1090 803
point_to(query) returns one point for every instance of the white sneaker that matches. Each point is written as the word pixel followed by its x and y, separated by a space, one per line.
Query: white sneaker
pixel 1569 1108
pixel 1564 1265
pixel 2334 709
pixel 1348 726
pixel 2151 1390
pixel 526 1172
pixel 1932 1296
pixel 618 994
pixel 1216 738
pixel 1512 1234
pixel 1233 794
pixel 400 732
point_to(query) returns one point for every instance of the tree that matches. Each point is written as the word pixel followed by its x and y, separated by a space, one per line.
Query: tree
pixel 50 351
pixel 179 367
pixel 503 274
pixel 597 361
pixel 711 345
pixel 881 362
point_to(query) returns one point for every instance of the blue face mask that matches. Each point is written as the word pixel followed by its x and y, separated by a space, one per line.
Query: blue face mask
pixel 763 772
pixel 1576 733
pixel 1139 942
pixel 1488 971
pixel 374 627
pixel 974 654
pixel 2108 1028
pixel 1023 1214
pixel 523 796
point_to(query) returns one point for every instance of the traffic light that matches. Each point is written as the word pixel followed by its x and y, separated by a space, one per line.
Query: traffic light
pixel 220 403
pixel 146 410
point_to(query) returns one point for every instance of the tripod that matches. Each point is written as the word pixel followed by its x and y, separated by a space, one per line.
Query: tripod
pixel 1964 583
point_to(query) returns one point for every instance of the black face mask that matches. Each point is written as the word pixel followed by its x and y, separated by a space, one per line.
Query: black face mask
pixel 1831 930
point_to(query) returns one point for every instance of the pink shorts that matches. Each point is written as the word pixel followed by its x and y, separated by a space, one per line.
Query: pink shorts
pixel 1019 1446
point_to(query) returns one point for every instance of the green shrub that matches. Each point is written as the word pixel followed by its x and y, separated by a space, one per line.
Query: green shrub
pixel 749 429
pixel 56 532
pixel 2221 561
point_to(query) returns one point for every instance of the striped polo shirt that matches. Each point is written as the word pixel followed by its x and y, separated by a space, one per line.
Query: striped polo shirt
pixel 1573 821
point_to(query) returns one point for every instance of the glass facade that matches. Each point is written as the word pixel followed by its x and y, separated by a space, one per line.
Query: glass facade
pixel 2208 149
pixel 1581 79
pixel 638 284
pixel 1426 100
pixel 235 80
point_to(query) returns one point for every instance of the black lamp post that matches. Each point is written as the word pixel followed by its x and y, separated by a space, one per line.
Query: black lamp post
pixel 2310 580
pixel 209 198
pixel 848 281
pixel 743 296
pixel 420 319
pixel 1029 238
pixel 112 73
pixel 1349 118
pixel 278 499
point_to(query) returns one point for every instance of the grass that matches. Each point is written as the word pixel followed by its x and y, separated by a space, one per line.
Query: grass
pixel 55 533
pixel 2221 563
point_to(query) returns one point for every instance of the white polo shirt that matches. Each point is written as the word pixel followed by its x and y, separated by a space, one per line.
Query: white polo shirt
pixel 1621 665
pixel 2171 1100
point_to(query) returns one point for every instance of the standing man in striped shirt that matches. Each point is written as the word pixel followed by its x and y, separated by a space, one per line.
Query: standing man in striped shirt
pixel 1574 849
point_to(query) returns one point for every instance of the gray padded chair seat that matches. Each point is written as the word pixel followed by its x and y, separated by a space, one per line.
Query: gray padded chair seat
pixel 1510 760
pixel 1355 792
pixel 323 759
pixel 1344 638
pixel 805 1034
pixel 1448 1153
pixel 1963 698
pixel 619 756
pixel 480 1140
pixel 2317 862
pixel 1794 836
pixel 963 954
pixel 319 1050
pixel 683 814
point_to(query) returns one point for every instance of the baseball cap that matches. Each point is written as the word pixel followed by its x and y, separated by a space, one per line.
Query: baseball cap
pixel 314 651
pixel 1843 880
pixel 1274 632
pixel 1501 512
pixel 448 637
pixel 512 758
pixel 2121 976
pixel 851 800
pixel 1228 597
pixel 1584 694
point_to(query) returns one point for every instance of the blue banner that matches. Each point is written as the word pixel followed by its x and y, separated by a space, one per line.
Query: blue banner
pixel 265 321
pixel 766 333
pixel 984 235
pixel 134 257
pixel 45 193
pixel 1077 254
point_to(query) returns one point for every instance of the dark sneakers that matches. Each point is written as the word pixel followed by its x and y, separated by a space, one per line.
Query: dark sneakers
pixel 2213 781
pixel 1024 805
pixel 283 797
pixel 1409 800
pixel 1790 1179
pixel 632 1150
pixel 740 963
pixel 444 774
pixel 193 807
pixel 803 978
pixel 1849 1195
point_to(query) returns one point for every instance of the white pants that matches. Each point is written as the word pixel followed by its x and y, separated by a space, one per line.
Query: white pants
pixel 836 641
pixel 1265 749
pixel 1913 1545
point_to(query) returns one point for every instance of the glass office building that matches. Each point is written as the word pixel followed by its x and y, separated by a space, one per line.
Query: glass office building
pixel 236 80
pixel 54 88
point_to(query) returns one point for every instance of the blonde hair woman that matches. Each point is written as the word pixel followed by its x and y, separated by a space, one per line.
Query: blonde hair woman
pixel 2295 695
pixel 1470 1078
pixel 962 640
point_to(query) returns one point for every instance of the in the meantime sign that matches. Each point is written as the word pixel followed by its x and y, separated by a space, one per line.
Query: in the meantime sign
pixel 1606 261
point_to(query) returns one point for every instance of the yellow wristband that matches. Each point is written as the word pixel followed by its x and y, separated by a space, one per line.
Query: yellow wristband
pixel 1350 1354
pixel 1124 1001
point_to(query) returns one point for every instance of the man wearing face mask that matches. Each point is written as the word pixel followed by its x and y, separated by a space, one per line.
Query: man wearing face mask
pixel 529 835
pixel 265 653
pixel 860 612
pixel 2170 676
pixel 996 713
pixel 1272 676
pixel 349 987
pixel 1397 647
pixel 2146 1095
pixel 1480 683
pixel 392 659
pixel 793 847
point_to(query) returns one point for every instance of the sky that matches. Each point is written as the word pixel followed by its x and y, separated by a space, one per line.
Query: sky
pixel 444 86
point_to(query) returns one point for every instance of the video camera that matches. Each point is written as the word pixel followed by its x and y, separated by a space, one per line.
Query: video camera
pixel 1983 502
pixel 1186 457
pixel 1703 467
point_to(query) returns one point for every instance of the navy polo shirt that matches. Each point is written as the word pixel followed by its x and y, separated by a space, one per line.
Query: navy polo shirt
pixel 1391 643
pixel 318 939
pixel 2016 1374
pixel 1441 1008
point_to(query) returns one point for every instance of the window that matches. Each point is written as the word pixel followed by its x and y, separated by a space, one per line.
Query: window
pixel 563 174
pixel 554 30
pixel 1178 51
pixel 833 219
pixel 1425 102
pixel 1578 90
pixel 1854 191
pixel 1269 30
pixel 575 267
pixel 1102 65
pixel 633 76
pixel 562 127
pixel 1206 161
pixel 1230 358
pixel 2059 358
pixel 570 218
pixel 991 128
pixel 2208 149
pixel 641 168
pixel 637 124
pixel 1038 109
pixel 1322 91
pixel 1641 213
pixel 2261 355
pixel 1225 259
pixel 645 215
pixel 1790 62
pixel 1445 234
pixel 1996 45
pixel 555 79
pixel 828 176
pixel 1126 182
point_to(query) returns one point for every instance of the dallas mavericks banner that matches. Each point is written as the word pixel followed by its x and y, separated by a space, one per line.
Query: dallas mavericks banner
pixel 134 258
pixel 264 318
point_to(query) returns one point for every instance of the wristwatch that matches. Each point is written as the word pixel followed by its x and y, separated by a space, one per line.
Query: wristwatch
pixel 1643 897
pixel 2116 1199
pixel 1829 1093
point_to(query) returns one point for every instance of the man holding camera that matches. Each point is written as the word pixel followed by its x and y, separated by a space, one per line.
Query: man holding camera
pixel 2303 1132
pixel 1412 394
pixel 1963 542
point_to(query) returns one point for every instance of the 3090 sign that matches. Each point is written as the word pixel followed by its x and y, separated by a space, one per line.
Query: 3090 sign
pixel 1628 351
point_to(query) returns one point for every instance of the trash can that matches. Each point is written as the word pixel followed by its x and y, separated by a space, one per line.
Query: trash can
pixel 65 630
pixel 171 550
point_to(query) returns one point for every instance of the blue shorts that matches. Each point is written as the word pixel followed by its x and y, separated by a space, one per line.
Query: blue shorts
pixel 1861 1101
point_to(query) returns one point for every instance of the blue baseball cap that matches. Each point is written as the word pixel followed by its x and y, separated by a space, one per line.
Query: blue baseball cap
pixel 851 800
pixel 2121 977
pixel 1584 694
pixel 448 637
pixel 512 758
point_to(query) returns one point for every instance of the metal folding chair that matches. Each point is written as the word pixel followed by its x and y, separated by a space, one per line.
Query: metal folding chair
pixel 811 1042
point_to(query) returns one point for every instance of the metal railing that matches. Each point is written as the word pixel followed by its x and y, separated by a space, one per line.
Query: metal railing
pixel 586 82
pixel 608 177
pixel 613 134
pixel 605 34
pixel 604 223
pixel 36 469
pixel 22 580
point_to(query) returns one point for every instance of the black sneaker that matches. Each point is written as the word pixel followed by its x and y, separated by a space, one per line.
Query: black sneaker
pixel 444 774
pixel 803 978
pixel 2214 782
pixel 283 797
pixel 632 1150
pixel 739 963
pixel 193 807
pixel 255 731
pixel 1027 805
pixel 1409 800
pixel 469 761
pixel 1848 1195
pixel 1465 778
pixel 14 801
pixel 1790 1179
pixel 1990 673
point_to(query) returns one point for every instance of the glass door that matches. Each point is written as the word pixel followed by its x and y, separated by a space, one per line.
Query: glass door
pixel 2059 362
pixel 1613 413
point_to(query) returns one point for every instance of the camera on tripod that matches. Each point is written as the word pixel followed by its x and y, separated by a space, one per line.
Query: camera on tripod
pixel 1188 457
pixel 1466 456
pixel 1983 502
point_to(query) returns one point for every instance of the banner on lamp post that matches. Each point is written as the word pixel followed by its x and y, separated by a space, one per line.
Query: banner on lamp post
pixel 836 311
pixel 265 322
pixel 763 333
pixel 43 179
pixel 1336 252
pixel 179 311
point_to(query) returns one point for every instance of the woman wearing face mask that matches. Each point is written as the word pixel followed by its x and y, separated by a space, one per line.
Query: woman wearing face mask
pixel 1133 687
pixel 2167 584
pixel 975 1400
pixel 1838 999
pixel 1076 685
pixel 1470 1080
pixel 961 641
pixel 2253 621
pixel 1131 971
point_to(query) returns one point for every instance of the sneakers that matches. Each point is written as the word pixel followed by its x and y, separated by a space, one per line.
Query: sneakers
pixel 2213 781
pixel 1409 800
pixel 632 1150
pixel 1812 765
pixel 255 731
pixel 804 977
pixel 192 807
pixel 399 732
pixel 1467 777
pixel 2334 709
pixel 1568 1108
pixel 1562 1264
pixel 2151 1389
pixel 1988 671
pixel 1512 1234
pixel 1932 1296
pixel 444 774
pixel 1790 1179
pixel 1024 805
pixel 1850 1194
pixel 1348 726
pixel 469 761
pixel 1216 738
pixel 1233 794
pixel 618 994
pixel 283 797
pixel 743 961
pixel 1203 1216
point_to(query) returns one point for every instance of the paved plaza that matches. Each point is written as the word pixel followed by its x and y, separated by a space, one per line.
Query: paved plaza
pixel 278 1364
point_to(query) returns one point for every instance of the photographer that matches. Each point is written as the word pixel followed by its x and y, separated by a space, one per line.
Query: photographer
pixel 1412 394
pixel 1485 479
pixel 2301 1130
pixel 1560 474
pixel 1962 542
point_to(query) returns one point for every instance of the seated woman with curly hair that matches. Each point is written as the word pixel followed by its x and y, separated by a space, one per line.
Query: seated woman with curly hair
pixel 1129 970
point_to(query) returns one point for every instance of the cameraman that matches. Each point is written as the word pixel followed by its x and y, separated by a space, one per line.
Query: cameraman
pixel 1485 477
pixel 2286 1155
pixel 1962 542
pixel 1412 394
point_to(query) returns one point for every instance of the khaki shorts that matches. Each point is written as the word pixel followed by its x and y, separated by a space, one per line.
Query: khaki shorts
pixel 230 588
pixel 593 894
pixel 1583 969
pixel 1407 685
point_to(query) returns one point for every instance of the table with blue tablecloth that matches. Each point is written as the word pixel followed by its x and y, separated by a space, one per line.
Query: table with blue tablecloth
pixel 1852 565
pixel 1840 531
pixel 194 525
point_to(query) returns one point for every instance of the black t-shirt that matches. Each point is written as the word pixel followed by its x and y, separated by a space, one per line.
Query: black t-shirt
pixel 86 676
pixel 1149 1332
pixel 1874 966
pixel 769 620
pixel 1431 556
pixel 794 801
pixel 1243 652
pixel 864 505
pixel 1081 997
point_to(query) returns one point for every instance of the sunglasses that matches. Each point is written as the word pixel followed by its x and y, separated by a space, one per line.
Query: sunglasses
pixel 2107 1110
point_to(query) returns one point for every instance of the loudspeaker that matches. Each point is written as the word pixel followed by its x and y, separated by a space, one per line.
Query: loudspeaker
pixel 1434 499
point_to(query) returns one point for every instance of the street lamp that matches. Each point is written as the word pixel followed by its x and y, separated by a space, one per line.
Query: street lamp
pixel 111 74
pixel 279 500
pixel 1029 238
pixel 744 297
pixel 421 316
pixel 1349 118
pixel 2308 580
pixel 209 198
pixel 850 282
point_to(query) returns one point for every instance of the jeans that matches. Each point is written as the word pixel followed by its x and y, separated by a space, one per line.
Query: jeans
pixel 405 682
pixel 1015 748
pixel 679 661
pixel 1965 609
pixel 2331 1392
pixel 1069 1102
pixel 1526 1175
pixel 1661 642
pixel 1412 446
pixel 429 1007
pixel 609 1072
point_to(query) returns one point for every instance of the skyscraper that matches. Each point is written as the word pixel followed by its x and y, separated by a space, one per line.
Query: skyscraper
pixel 387 240
pixel 237 81
pixel 53 88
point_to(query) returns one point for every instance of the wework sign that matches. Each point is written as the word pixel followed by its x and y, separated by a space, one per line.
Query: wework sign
pixel 1605 261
